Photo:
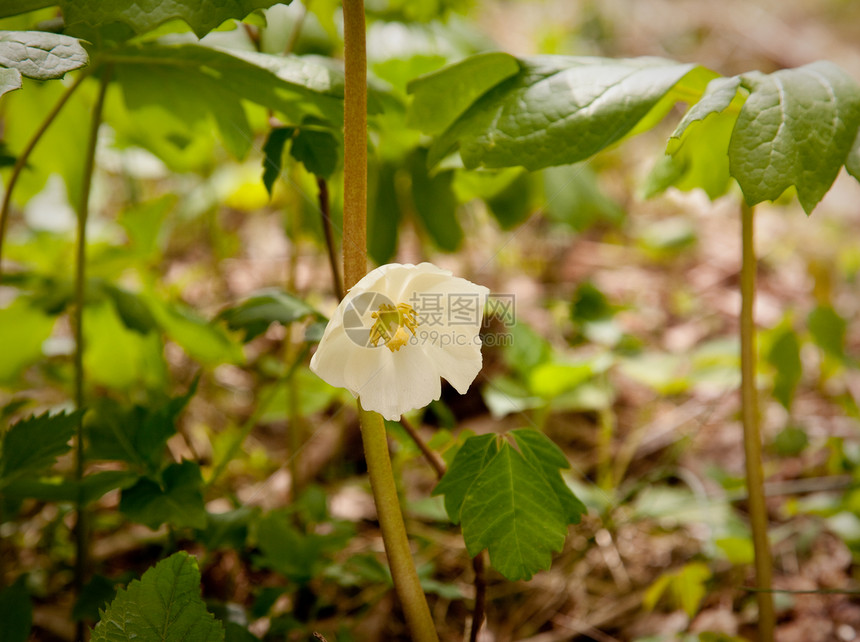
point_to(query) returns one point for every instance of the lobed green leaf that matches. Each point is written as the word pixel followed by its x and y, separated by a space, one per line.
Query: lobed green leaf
pixel 33 444
pixel 163 606
pixel 796 128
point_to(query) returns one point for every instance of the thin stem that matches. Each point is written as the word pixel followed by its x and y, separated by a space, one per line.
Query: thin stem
pixel 480 596
pixel 325 218
pixel 406 582
pixel 430 455
pixel 21 161
pixel 752 438
pixel 81 525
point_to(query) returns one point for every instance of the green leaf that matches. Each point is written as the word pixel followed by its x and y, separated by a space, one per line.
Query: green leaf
pixel 558 110
pixel 178 88
pixel 163 606
pixel 511 501
pixel 132 309
pixel 23 329
pixel 206 342
pixel 470 460
pixel 255 314
pixel 796 128
pixel 273 155
pixel 784 356
pixel 440 97
pixel 686 586
pixel 10 80
pixel 317 150
pixel 16 612
pixel 136 435
pixel 23 6
pixel 178 501
pixel 86 16
pixel 94 597
pixel 41 55
pixel 828 330
pixel 91 488
pixel 298 556
pixel 33 444
pixel 383 212
pixel 435 202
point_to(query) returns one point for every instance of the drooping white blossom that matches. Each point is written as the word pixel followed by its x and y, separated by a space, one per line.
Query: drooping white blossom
pixel 397 331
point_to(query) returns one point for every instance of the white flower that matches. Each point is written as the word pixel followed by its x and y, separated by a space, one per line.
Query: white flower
pixel 397 331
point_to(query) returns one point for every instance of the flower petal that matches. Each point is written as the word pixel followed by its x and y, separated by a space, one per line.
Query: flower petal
pixel 328 360
pixel 458 365
pixel 407 381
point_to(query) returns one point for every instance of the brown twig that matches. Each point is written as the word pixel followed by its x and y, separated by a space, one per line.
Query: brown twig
pixel 429 454
pixel 325 217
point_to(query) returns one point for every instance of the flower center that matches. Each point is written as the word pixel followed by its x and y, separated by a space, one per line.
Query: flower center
pixel 393 325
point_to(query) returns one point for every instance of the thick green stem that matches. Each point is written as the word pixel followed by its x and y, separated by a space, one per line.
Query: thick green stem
pixel 21 161
pixel 752 438
pixel 373 434
pixel 400 561
pixel 354 144
pixel 81 525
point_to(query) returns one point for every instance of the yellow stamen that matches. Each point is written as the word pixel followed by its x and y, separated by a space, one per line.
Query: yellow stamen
pixel 392 324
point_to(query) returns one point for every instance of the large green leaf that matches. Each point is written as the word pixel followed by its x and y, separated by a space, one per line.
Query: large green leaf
pixel 435 202
pixel 177 89
pixel 511 500
pixel 559 109
pixel 40 55
pixel 177 501
pixel 796 128
pixel 33 444
pixel 163 606
pixel 442 96
pixel 84 16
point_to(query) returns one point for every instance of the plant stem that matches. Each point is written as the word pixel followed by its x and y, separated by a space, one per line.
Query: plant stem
pixel 325 219
pixel 81 525
pixel 752 438
pixel 391 524
pixel 21 161
pixel 354 144
pixel 373 434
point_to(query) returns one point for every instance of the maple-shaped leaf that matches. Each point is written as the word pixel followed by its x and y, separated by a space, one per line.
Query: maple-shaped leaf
pixel 510 498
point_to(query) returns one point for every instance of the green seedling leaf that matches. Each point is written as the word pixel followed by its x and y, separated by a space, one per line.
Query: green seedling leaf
pixel 686 588
pixel 442 96
pixel 163 606
pixel 558 110
pixel 784 356
pixel 796 128
pixel 16 612
pixel 40 55
pixel 257 313
pixel 33 444
pixel 177 501
pixel 828 330
pixel 511 500
pixel 89 16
